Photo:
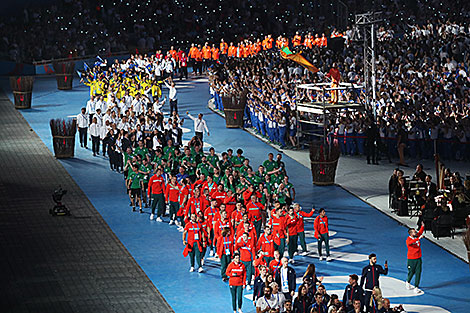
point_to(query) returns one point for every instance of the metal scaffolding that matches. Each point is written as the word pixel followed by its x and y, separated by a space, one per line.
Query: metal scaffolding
pixel 367 23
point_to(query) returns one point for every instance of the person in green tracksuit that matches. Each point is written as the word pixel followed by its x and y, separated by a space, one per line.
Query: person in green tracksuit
pixel 134 182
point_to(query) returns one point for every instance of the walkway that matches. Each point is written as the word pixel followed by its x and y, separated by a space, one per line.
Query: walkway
pixel 58 264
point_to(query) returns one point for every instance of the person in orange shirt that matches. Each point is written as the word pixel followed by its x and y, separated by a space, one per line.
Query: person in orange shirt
pixel 206 56
pixel 323 41
pixel 317 41
pixel 232 51
pixel 246 50
pixel 223 47
pixel 215 53
pixel 335 76
pixel 198 60
pixel 308 41
pixel 269 43
pixel 264 43
pixel 173 53
pixel 297 40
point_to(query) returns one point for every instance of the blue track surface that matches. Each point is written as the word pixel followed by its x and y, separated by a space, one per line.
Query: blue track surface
pixel 157 246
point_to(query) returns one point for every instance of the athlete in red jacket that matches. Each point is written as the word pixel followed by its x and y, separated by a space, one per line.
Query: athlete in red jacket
pixel 415 263
pixel 266 244
pixel 237 276
pixel 209 216
pixel 172 193
pixel 254 209
pixel 156 187
pixel 321 233
pixel 246 247
pixel 300 225
pixel 225 250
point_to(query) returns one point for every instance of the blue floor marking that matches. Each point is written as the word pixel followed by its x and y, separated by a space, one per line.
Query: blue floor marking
pixel 157 247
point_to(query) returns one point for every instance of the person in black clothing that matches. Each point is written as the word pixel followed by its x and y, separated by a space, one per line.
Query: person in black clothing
pixel 372 137
pixel 419 175
pixel 258 287
pixel 402 142
pixel 303 302
pixel 392 185
pixel 401 198
pixel 352 292
pixel 311 280
pixel 370 277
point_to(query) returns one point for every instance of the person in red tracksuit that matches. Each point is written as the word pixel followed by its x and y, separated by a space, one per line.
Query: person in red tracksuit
pixel 275 264
pixel 278 226
pixel 266 244
pixel 210 217
pixel 225 250
pixel 237 215
pixel 210 185
pixel 300 225
pixel 246 226
pixel 259 261
pixel 291 223
pixel 194 242
pixel 196 203
pixel 220 225
pixel 230 201
pixel 254 212
pixel 172 192
pixel 320 226
pixel 220 195
pixel 183 200
pixel 246 247
pixel 156 187
pixel 415 263
pixel 237 276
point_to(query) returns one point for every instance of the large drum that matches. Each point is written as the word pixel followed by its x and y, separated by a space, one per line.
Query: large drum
pixel 234 109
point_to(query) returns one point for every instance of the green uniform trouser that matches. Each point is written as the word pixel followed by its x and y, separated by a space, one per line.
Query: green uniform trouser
pixel 224 262
pixel 324 237
pixel 237 294
pixel 250 270
pixel 174 207
pixel 257 225
pixel 292 247
pixel 414 268
pixel 281 247
pixel 158 201
pixel 303 244
pixel 195 254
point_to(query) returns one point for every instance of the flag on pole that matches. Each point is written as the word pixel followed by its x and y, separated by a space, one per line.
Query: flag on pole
pixel 298 58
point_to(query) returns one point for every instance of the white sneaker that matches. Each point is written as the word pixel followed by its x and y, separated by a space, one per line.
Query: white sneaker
pixel 296 253
pixel 151 217
pixel 321 257
pixel 191 269
pixel 304 253
pixel 177 223
pixel 202 262
pixel 171 222
pixel 200 270
pixel 293 261
pixel 180 229
pixel 328 259
pixel 408 286
pixel 211 253
pixel 159 219
pixel 248 287
pixel 416 290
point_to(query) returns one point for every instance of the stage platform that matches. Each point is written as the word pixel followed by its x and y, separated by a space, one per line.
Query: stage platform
pixel 356 228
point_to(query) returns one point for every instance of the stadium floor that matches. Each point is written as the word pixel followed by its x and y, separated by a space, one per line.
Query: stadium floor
pixel 356 228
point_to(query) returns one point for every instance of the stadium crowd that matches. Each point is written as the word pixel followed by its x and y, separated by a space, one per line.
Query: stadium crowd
pixel 422 93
